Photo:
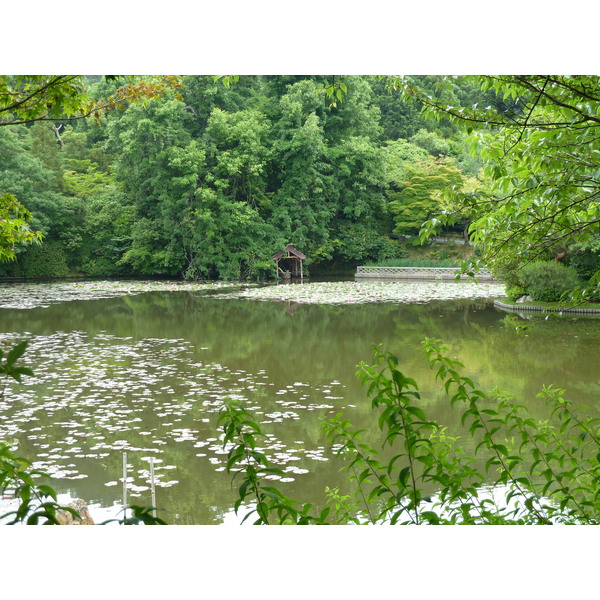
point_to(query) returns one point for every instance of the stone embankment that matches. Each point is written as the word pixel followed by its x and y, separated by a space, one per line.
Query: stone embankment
pixel 532 308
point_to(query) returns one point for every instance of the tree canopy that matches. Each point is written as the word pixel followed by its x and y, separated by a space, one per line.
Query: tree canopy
pixel 541 156
pixel 194 178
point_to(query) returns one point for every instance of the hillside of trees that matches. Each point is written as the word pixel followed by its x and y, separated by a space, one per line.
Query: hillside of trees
pixel 206 180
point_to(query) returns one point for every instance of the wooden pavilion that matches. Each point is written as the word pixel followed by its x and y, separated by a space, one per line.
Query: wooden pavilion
pixel 288 262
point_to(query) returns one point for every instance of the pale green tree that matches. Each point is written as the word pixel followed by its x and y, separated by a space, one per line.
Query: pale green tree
pixel 419 199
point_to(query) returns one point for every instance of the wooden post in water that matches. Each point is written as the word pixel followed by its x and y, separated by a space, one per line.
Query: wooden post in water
pixel 152 486
pixel 124 485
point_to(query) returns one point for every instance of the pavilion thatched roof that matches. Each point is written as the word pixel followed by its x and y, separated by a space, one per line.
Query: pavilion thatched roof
pixel 289 252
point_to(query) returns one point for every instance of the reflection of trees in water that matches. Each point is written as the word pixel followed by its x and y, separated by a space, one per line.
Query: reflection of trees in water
pixel 322 343
pixel 559 351
pixel 315 345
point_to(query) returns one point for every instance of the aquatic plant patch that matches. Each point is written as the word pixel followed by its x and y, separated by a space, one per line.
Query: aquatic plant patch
pixel 360 292
pixel 40 295
pixel 95 397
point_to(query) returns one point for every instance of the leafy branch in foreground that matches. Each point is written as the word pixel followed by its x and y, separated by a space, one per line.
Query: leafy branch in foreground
pixel 244 458
pixel 14 227
pixel 30 98
pixel 37 502
pixel 520 471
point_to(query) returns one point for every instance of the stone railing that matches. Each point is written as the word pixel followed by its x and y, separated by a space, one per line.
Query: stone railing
pixel 430 273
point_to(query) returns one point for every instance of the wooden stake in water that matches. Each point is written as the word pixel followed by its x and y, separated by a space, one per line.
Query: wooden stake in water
pixel 124 485
pixel 152 486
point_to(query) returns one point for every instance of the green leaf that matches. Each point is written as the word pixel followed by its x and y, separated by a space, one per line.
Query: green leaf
pixel 403 476
pixel 16 352
pixel 419 413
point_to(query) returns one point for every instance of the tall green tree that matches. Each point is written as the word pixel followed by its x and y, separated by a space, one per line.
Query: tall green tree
pixel 228 233
pixel 45 146
pixel 28 178
pixel 202 94
pixel 301 205
pixel 356 116
pixel 419 199
pixel 158 166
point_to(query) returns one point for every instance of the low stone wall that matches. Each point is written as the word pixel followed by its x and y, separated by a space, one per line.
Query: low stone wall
pixel 542 309
pixel 428 273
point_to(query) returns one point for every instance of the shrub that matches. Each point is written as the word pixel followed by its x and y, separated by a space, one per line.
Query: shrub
pixel 47 260
pixel 101 267
pixel 507 271
pixel 389 248
pixel 585 262
pixel 548 281
pixel 514 292
pixel 357 242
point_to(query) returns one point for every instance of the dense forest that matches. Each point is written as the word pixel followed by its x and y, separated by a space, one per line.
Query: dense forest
pixel 208 180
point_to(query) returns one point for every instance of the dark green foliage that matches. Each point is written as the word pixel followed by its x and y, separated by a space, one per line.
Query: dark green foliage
pixel 45 146
pixel 48 260
pixel 28 178
pixel 585 261
pixel 106 233
pixel 399 119
pixel 548 281
pixel 357 244
pixel 210 178
pixel 158 166
pixel 202 94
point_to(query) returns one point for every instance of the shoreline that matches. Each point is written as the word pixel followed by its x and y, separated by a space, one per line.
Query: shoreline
pixel 533 308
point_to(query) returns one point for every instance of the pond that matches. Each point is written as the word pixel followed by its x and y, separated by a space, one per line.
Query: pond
pixel 145 373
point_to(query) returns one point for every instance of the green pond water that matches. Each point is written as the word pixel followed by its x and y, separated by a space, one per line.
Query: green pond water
pixel 146 374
